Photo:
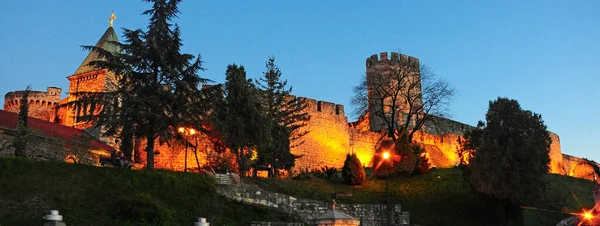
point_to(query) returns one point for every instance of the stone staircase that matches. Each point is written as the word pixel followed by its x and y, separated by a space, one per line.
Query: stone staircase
pixel 307 209
pixel 224 179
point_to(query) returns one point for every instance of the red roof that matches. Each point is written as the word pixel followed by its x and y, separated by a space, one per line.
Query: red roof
pixel 49 129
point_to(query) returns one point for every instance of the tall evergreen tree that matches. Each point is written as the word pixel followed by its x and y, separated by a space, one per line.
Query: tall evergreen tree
pixel 20 142
pixel 157 86
pixel 510 157
pixel 239 116
pixel 286 116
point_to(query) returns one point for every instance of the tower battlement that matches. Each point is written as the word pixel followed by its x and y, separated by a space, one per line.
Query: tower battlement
pixel 41 104
pixel 394 58
pixel 324 107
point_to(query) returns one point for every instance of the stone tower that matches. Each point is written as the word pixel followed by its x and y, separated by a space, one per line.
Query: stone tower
pixel 89 79
pixel 389 82
pixel 42 104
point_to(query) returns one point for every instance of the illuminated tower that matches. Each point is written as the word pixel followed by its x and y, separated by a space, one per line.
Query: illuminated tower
pixel 89 79
pixel 390 81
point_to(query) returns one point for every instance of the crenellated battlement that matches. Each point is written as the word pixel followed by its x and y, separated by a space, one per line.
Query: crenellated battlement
pixel 41 104
pixel 324 107
pixel 394 58
pixel 36 98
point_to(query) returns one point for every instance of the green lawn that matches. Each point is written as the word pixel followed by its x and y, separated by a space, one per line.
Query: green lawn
pixel 442 197
pixel 87 195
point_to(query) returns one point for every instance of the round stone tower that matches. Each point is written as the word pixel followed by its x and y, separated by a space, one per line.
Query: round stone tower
pixel 42 105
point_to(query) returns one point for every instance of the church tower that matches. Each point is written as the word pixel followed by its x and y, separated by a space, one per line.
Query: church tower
pixel 89 79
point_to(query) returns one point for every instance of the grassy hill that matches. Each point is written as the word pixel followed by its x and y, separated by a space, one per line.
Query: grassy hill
pixel 443 197
pixel 87 195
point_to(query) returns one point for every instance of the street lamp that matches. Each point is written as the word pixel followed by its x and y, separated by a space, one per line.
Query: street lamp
pixel 386 157
pixel 186 132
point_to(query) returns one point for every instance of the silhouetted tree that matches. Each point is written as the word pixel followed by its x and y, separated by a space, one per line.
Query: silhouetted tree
pixel 239 116
pixel 405 151
pixel 402 95
pixel 157 87
pixel 20 141
pixel 510 157
pixel 286 116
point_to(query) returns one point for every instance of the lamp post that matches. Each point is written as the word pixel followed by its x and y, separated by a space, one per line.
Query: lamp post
pixel 186 132
pixel 386 157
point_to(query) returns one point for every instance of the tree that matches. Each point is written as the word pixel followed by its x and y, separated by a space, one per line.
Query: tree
pixel 406 151
pixel 20 141
pixel 398 94
pixel 353 171
pixel 286 116
pixel 156 86
pixel 510 157
pixel 239 117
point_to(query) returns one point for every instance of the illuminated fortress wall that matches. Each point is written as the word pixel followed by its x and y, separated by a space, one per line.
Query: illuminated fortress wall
pixel 327 142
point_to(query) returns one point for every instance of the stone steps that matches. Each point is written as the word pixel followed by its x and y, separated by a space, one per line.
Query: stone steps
pixel 306 209
pixel 224 179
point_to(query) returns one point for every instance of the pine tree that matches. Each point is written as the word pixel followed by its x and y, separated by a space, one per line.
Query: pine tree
pixel 239 116
pixel 20 141
pixel 286 116
pixel 157 86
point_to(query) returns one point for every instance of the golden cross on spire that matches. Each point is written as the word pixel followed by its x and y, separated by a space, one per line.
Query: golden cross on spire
pixel 112 18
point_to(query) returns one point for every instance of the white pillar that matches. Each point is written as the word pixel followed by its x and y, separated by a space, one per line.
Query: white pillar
pixel 53 219
pixel 201 222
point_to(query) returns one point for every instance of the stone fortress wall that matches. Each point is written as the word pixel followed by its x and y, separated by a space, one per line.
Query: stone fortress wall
pixel 329 140
pixel 41 104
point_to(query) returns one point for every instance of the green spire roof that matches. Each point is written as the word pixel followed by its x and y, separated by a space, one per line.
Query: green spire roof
pixel 104 43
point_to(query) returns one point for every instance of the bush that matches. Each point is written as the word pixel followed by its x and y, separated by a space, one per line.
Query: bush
pixel 353 171
pixel 329 171
pixel 303 174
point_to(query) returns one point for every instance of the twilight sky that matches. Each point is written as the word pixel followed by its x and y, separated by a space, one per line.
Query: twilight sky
pixel 545 54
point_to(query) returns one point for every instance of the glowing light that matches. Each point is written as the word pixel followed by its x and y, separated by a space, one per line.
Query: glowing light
pixel 588 216
pixel 386 155
pixel 186 131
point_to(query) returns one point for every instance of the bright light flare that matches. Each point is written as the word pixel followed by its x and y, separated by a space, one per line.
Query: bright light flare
pixel 386 155
pixel 588 216
pixel 181 129
pixel 192 131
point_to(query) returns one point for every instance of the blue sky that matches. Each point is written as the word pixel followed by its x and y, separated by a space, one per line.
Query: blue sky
pixel 545 54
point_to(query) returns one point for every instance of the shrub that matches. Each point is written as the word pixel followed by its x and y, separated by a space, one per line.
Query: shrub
pixel 329 171
pixel 353 171
pixel 302 174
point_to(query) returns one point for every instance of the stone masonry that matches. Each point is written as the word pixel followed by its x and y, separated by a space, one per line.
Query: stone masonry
pixel 307 209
